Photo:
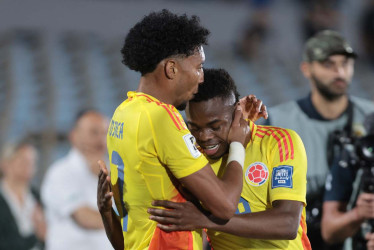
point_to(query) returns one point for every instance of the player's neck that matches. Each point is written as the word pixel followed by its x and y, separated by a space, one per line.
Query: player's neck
pixel 329 109
pixel 151 85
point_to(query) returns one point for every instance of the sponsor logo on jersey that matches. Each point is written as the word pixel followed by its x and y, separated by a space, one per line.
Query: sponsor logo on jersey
pixel 191 145
pixel 282 177
pixel 257 174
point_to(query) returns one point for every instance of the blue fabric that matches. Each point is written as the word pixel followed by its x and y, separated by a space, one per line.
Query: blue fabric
pixel 307 107
pixel 339 184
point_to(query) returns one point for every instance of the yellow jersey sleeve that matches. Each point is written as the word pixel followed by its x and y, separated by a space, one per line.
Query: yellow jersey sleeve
pixel 289 167
pixel 175 146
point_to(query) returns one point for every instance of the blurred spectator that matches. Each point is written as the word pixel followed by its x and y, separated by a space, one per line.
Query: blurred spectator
pixel 328 64
pixel 22 224
pixel 249 45
pixel 69 189
pixel 367 31
pixel 320 15
pixel 254 31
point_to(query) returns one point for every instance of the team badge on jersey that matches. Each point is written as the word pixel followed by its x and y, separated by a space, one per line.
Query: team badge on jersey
pixel 257 174
pixel 282 177
pixel 190 143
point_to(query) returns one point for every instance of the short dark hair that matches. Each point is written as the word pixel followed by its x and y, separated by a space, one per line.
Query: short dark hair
pixel 160 35
pixel 217 83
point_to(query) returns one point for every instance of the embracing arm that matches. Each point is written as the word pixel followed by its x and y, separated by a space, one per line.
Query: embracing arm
pixel 220 197
pixel 280 222
pixel 111 221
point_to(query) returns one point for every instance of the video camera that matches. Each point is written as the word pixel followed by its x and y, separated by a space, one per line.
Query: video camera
pixel 358 153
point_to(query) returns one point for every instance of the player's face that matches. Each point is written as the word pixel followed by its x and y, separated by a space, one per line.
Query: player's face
pixel 191 74
pixel 209 122
pixel 332 77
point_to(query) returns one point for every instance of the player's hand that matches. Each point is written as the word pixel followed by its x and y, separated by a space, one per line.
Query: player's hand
pixel 370 238
pixel 365 206
pixel 104 194
pixel 178 216
pixel 239 130
pixel 253 108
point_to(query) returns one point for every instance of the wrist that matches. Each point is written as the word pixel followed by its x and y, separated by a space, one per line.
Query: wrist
pixel 236 153
pixel 105 211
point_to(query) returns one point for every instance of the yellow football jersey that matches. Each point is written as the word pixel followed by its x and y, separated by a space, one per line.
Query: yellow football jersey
pixel 274 169
pixel 145 138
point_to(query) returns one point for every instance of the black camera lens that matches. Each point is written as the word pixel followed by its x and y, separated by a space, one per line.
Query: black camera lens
pixel 366 148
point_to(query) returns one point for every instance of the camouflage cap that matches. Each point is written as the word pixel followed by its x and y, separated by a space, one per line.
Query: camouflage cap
pixel 325 44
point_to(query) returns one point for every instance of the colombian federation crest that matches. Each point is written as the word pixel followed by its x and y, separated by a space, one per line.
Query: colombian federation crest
pixel 257 174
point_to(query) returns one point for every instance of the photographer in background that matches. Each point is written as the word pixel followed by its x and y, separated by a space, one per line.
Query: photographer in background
pixel 348 208
pixel 328 64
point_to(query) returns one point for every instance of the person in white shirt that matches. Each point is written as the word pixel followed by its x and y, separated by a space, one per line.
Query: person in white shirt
pixel 69 189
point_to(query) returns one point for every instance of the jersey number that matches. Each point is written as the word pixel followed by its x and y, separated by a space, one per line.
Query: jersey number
pixel 243 207
pixel 117 160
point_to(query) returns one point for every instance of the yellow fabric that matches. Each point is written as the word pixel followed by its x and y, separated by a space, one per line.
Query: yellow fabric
pixel 145 136
pixel 270 147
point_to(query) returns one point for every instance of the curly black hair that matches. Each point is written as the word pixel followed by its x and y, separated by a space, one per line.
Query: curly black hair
pixel 217 83
pixel 160 35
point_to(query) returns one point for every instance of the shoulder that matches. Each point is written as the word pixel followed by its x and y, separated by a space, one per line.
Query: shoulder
pixel 283 106
pixel 285 141
pixel 285 114
pixel 165 115
pixel 59 169
pixel 275 134
pixel 366 105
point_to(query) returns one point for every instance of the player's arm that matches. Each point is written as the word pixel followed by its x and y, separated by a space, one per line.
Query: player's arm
pixel 111 221
pixel 221 196
pixel 280 222
pixel 286 194
pixel 339 224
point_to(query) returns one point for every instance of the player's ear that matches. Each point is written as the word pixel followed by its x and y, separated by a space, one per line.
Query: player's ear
pixel 170 69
